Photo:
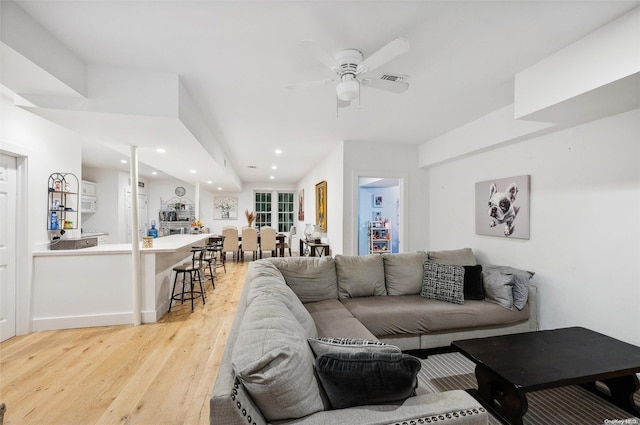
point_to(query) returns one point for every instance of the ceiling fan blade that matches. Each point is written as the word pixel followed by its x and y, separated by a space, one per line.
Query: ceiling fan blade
pixel 387 85
pixel 322 55
pixel 309 84
pixel 393 49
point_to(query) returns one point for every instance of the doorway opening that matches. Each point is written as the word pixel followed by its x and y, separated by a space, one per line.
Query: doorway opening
pixel 379 215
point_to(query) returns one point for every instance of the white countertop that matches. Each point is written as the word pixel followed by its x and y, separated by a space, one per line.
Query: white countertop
pixel 170 243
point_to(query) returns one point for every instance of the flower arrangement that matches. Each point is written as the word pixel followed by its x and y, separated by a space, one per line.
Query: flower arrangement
pixel 196 223
pixel 250 217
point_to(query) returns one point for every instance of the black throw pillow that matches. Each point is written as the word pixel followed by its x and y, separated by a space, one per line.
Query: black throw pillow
pixel 356 379
pixel 473 289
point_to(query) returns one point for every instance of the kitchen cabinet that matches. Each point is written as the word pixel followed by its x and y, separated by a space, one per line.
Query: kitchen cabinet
pixel 88 188
pixel 62 202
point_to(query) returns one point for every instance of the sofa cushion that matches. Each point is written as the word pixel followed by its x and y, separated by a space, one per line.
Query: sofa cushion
pixel 443 282
pixel 498 288
pixel 274 362
pixel 355 379
pixel 520 282
pixel 332 319
pixel 473 287
pixel 311 278
pixel 260 268
pixel 360 276
pixel 327 345
pixel 456 257
pixel 403 272
pixel 267 286
pixel 414 315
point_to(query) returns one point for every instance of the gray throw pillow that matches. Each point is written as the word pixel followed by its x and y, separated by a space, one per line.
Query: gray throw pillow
pixel 356 379
pixel 498 288
pixel 311 278
pixel 327 345
pixel 273 360
pixel 403 272
pixel 360 276
pixel 443 282
pixel 520 281
pixel 456 257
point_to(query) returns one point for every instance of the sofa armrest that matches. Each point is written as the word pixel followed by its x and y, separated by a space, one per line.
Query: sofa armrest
pixel 449 407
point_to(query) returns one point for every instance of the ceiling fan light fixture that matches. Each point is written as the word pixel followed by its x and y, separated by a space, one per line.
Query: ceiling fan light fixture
pixel 348 90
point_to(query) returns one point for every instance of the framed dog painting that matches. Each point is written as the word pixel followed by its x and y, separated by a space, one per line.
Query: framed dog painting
pixel 502 207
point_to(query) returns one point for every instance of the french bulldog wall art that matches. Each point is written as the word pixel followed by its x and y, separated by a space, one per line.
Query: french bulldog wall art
pixel 501 207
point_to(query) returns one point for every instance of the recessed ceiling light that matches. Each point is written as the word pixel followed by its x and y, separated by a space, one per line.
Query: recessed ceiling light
pixel 160 150
pixel 274 167
pixel 192 171
pixel 154 173
pixel 209 182
pixel 278 151
pixel 271 177
pixel 219 188
pixel 124 161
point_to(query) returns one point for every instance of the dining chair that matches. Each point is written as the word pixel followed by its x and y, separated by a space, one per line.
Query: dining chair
pixel 268 240
pixel 249 241
pixel 230 243
pixel 288 243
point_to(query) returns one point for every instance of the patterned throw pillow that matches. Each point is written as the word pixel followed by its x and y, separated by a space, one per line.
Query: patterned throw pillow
pixel 325 345
pixel 443 282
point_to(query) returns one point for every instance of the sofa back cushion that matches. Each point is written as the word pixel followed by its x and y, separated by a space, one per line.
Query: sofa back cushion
pixel 360 276
pixel 403 272
pixel 272 359
pixel 311 278
pixel 266 286
pixel 454 257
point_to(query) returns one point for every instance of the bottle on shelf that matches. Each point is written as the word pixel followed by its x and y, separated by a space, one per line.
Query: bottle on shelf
pixel 54 221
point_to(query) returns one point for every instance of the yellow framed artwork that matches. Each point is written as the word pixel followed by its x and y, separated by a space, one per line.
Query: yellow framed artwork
pixel 321 205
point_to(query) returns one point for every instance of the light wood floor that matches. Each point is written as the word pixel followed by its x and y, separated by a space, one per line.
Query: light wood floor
pixel 153 374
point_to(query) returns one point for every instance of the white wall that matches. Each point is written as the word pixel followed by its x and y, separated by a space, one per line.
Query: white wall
pixel 365 159
pixel 585 221
pixel 329 168
pixel 48 148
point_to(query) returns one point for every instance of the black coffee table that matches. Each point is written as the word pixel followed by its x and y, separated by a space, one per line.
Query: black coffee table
pixel 509 366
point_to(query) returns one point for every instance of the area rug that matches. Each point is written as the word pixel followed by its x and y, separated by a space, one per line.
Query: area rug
pixel 565 405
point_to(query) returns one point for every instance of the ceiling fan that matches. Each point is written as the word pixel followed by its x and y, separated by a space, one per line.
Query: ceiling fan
pixel 351 67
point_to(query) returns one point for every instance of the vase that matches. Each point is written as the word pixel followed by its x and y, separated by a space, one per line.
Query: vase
pixel 225 214
pixel 308 231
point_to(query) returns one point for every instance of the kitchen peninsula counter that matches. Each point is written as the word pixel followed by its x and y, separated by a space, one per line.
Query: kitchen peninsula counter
pixel 94 286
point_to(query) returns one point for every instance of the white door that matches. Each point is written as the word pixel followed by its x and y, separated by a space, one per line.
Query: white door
pixel 142 215
pixel 7 247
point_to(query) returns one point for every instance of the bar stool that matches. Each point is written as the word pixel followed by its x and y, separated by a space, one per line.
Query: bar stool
pixel 193 270
pixel 209 258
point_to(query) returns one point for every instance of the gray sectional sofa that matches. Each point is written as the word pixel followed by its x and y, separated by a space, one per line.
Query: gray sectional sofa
pixel 268 370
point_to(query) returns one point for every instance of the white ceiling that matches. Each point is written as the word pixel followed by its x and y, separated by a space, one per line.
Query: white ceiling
pixel 235 57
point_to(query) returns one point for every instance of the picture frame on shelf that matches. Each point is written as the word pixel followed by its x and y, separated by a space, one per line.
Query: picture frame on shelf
pixel 377 201
pixel 377 216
